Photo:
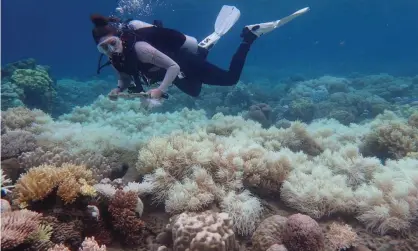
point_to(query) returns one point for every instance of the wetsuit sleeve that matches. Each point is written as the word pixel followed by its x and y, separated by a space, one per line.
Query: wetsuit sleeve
pixel 148 54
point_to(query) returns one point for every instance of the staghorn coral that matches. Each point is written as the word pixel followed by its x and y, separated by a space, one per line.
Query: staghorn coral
pixel 122 208
pixel 269 232
pixel 203 231
pixel 341 236
pixel 40 181
pixel 302 233
pixel 17 227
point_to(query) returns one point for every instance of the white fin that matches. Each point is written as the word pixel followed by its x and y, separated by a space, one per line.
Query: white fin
pixel 226 19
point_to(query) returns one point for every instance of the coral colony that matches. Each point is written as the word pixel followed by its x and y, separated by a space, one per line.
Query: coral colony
pixel 324 164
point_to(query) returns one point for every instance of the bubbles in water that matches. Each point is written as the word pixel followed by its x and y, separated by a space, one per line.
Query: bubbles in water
pixel 136 8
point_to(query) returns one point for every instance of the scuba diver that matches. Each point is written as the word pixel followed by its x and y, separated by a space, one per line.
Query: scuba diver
pixel 150 53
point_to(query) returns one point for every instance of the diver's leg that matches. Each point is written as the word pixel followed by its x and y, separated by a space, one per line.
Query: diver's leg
pixel 213 75
pixel 191 87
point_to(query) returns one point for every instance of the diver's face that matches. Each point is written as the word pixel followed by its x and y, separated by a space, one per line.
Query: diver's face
pixel 110 45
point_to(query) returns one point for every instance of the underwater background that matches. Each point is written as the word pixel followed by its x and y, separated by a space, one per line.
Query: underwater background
pixel 315 149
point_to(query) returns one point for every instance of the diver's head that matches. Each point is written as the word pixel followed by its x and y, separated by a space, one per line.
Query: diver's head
pixel 105 35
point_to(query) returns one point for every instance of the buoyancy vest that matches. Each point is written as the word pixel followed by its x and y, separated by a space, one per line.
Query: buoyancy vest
pixel 166 40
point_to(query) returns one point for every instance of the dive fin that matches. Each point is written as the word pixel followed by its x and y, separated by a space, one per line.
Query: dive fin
pixel 226 19
pixel 263 28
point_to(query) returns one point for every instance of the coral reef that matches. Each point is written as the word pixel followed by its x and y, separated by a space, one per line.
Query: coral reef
pixel 324 165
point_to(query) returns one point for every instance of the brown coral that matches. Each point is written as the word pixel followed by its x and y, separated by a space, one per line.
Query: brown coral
pixel 341 236
pixel 69 234
pixel 413 120
pixel 303 233
pixel 393 139
pixel 17 226
pixel 36 184
pixel 124 218
pixel 269 232
pixel 39 182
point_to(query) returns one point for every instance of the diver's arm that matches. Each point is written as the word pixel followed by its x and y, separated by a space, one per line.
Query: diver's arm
pixel 148 54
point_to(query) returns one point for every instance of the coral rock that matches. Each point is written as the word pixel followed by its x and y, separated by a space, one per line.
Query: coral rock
pixel 303 233
pixel 269 232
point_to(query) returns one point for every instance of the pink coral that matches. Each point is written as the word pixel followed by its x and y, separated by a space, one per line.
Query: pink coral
pixel 303 233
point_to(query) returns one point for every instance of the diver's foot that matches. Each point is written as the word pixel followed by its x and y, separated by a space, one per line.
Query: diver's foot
pixel 263 28
pixel 248 36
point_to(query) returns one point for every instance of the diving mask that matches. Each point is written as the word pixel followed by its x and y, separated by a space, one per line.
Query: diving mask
pixel 109 46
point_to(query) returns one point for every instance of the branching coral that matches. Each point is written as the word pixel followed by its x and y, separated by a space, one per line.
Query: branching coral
pixel 122 209
pixel 390 202
pixel 68 233
pixel 391 139
pixel 313 189
pixel 25 119
pixel 14 143
pixel 90 244
pixel 17 227
pixel 39 182
pixel 193 193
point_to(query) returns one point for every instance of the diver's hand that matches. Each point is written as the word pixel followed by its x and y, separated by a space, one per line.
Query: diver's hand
pixel 113 94
pixel 155 93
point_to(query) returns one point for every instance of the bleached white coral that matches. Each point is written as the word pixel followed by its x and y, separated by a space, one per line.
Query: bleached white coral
pixel 193 193
pixel 140 188
pixel 317 192
pixel 390 202
pixel 106 190
pixel 244 209
pixel 348 161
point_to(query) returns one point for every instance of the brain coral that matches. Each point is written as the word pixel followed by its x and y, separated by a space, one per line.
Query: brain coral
pixel 203 231
pixel 303 233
